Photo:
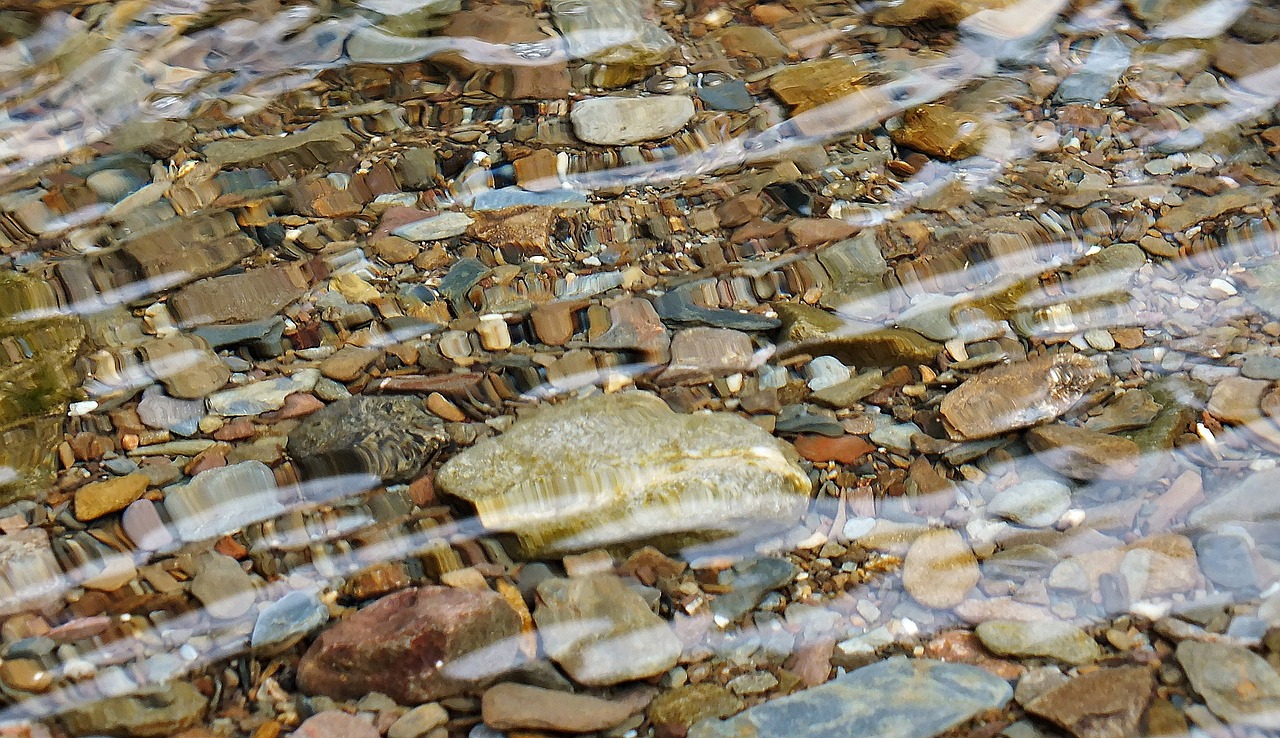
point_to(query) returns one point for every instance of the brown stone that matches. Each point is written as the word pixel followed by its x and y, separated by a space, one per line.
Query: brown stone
pixel 809 232
pixel 1238 400
pixel 101 498
pixel 522 707
pixel 939 569
pixel 1017 395
pixel 537 171
pixel 815 83
pixel 698 354
pixel 525 228
pixel 349 362
pixel 940 131
pixel 1081 453
pixel 335 724
pixel 414 646
pixel 673 712
pixel 1106 703
pixel 845 449
pixel 394 250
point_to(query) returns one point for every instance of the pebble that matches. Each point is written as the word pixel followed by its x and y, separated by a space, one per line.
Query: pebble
pixel 1017 396
pixel 1226 560
pixel 939 569
pixel 1106 703
pixel 158 410
pixel 627 641
pixel 416 645
pixel 752 581
pixel 1261 367
pixel 676 710
pixel 286 620
pixel 1081 453
pixel 1237 399
pixel 102 498
pixel 223 587
pixel 1236 684
pixel 1036 503
pixel 522 707
pixel 1060 641
pixel 335 724
pixel 162 710
pixel 845 449
pixel 219 501
pixel 895 698
pixel 143 525
pixel 256 398
pixel 618 121
pixel 435 228
pixel 419 722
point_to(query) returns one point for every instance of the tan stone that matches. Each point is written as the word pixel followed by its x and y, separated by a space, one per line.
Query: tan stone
pixel 940 569
pixel 101 498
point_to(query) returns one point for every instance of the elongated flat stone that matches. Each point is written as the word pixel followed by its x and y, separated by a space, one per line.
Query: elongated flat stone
pixel 222 500
pixel 618 121
pixel 896 698
pixel 1017 395
pixel 649 472
pixel 263 396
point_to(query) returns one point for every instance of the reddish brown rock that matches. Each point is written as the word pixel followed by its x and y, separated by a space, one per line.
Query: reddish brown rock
pixel 521 707
pixel 414 646
pixel 845 449
pixel 817 231
pixel 1107 703
pixel 1084 454
pixel 335 724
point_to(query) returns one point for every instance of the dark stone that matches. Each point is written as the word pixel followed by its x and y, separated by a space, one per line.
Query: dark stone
pixel 391 437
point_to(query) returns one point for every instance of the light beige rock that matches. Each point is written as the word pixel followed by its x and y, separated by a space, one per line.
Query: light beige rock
pixel 101 498
pixel 940 569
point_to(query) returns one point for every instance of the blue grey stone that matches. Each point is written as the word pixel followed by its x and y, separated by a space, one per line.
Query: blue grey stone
pixel 508 197
pixel 896 698
pixel 753 581
pixel 1092 82
pixel 677 306
pixel 728 95
pixel 288 619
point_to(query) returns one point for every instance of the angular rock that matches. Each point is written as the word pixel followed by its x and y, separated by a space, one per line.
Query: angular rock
pixel 752 581
pixel 941 131
pixel 678 709
pixel 1092 82
pixel 1131 410
pixel 618 121
pixel 1238 400
pixel 219 501
pixel 1084 454
pixel 158 712
pixel 1237 684
pixel 1052 640
pixel 1107 703
pixel 101 498
pixel 602 632
pixel 1017 395
pixel 815 83
pixel 392 438
pixel 940 569
pixel 650 473
pixel 30 578
pixel 186 365
pixel 254 295
pixel 698 354
pixel 895 698
pixel 158 410
pixel 417 645
pixel 419 722
pixel 522 707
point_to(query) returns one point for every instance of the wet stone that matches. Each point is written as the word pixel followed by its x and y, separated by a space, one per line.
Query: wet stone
pixel 444 225
pixel 618 121
pixel 335 724
pixel 153 712
pixel 750 584
pixel 1093 81
pixel 263 396
pixel 158 410
pixel 390 437
pixel 522 707
pixel 143 525
pixel 102 498
pixel 219 501
pixel 1017 396
pixel 223 587
pixel 940 131
pixel 1261 367
pixel 728 94
pixel 419 722
pixel 1107 703
pixel 896 698
pixel 1226 560
pixel 652 472
pixel 285 621
pixel 675 711
pixel 1052 640
pixel 1036 503
pixel 626 640
pixel 698 354
pixel 1084 454
pixel 1238 685
pixel 1237 399
pixel 417 645
pixel 30 578
pixel 939 569
pixel 811 330
pixel 1131 410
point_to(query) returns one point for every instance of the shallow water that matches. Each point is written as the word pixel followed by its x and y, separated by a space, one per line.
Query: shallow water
pixel 883 321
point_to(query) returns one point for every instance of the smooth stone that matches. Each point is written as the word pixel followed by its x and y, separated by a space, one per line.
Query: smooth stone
pixel 1251 500
pixel 1081 453
pixel 444 225
pixel 151 712
pixel 1052 640
pixel 683 706
pixel 895 698
pixel 1019 395
pixel 158 410
pixel 1237 400
pixel 286 620
pixel 392 438
pixel 1106 703
pixel 26 675
pixel 221 500
pixel 1237 685
pixel 144 526
pixel 940 569
pixel 826 371
pixel 810 330
pixel 619 121
pixel 416 645
pixel 256 398
pixel 510 197
pixel 1226 560
pixel 1093 81
pixel 651 472
pixel 103 498
pixel 224 588
pixel 1036 503
pixel 419 722
pixel 1261 367
pixel 731 94
pixel 753 581
pixel 1132 410
pixel 522 707
pixel 894 436
pixel 335 724
pixel 625 640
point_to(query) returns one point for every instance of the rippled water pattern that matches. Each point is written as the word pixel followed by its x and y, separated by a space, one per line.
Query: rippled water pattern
pixel 1075 190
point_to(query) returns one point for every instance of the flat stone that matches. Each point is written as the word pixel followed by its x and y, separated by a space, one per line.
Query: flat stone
pixel 390 437
pixel 1015 396
pixel 1226 560
pixel 1081 453
pixel 30 577
pixel 1131 410
pixel 1106 703
pixel 809 330
pixel 285 621
pixel 102 498
pixel 615 33
pixel 1257 366
pixel 144 526
pixel 626 640
pixel 415 646
pixel 1237 684
pixel 940 569
pixel 159 410
pixel 651 473
pixel 522 707
pixel 941 131
pixel 845 449
pixel 263 396
pixel 157 711
pixel 895 698
pixel 729 94
pixel 752 581
pixel 349 362
pixel 223 587
pixel 676 710
pixel 1052 640
pixel 219 501
pixel 618 121
pixel 698 354
pixel 510 197
pixel 1237 399
pixel 1092 82
pixel 335 724
pixel 1036 503
pixel 186 365
pixel 444 225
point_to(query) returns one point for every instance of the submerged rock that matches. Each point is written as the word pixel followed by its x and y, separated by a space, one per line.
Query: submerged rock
pixel 625 467
pixel 1237 684
pixel 896 698
pixel 1107 703
pixel 154 711
pixel 618 121
pixel 1017 395
pixel 416 645
pixel 390 437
